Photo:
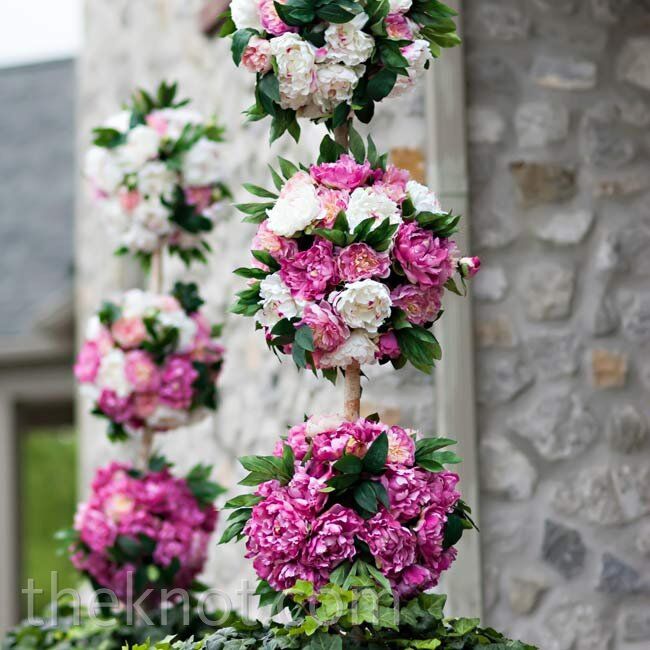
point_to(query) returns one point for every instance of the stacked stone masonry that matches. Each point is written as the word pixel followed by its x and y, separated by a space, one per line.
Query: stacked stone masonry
pixel 558 117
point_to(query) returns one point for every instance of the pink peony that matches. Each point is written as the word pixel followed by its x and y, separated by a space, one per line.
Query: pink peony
pixel 118 409
pixel 199 197
pixel 401 447
pixel 408 491
pixel 144 404
pixel 332 202
pixel 296 440
pixel 398 28
pixel 393 182
pixel 129 200
pixel 332 538
pixel 306 491
pixel 442 486
pixel 271 22
pixel 420 304
pixel 388 347
pixel 326 325
pixel 413 581
pixel 391 544
pixel 344 174
pixel 141 371
pixel 425 258
pixel 177 377
pixel 430 532
pixel 469 266
pixel 361 262
pixel 158 123
pixel 311 273
pixel 257 55
pixel 266 240
pixel 129 332
pixel 87 364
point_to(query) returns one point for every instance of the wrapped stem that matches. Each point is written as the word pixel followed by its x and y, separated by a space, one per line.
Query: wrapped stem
pixel 342 135
pixel 352 392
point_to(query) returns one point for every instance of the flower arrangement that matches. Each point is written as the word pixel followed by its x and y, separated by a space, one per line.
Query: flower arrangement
pixel 341 498
pixel 322 59
pixel 150 361
pixel 144 529
pixel 351 262
pixel 157 173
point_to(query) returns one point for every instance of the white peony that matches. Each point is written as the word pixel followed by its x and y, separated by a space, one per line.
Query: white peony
pixel 202 164
pixel 165 417
pixel 422 197
pixel 335 83
pixel 156 180
pixel 153 216
pixel 138 304
pixel 296 208
pixel 417 54
pixel 112 374
pixel 186 327
pixel 177 119
pixel 138 238
pixel 94 328
pixel 364 304
pixel 399 6
pixel 120 122
pixel 323 423
pixel 113 215
pixel 245 13
pixel 365 202
pixel 295 62
pixel 347 43
pixel 359 347
pixel 102 167
pixel 276 300
pixel 141 145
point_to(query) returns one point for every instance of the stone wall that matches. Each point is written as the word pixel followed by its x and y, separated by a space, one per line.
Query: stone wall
pixel 559 110
pixel 132 44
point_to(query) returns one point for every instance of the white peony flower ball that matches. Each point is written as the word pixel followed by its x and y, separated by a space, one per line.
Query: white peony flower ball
pixel 296 208
pixel 359 347
pixel 422 197
pixel 365 202
pixel 295 62
pixel 202 164
pixel 347 43
pixel 364 304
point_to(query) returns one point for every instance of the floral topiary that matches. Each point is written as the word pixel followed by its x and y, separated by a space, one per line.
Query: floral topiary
pixel 158 176
pixel 342 498
pixel 150 361
pixel 144 529
pixel 322 59
pixel 351 262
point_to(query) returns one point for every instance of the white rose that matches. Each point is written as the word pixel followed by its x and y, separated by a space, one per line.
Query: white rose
pixel 347 43
pixel 417 54
pixel 137 303
pixel 359 347
pixel 399 6
pixel 153 216
pixel 113 215
pixel 184 324
pixel 245 14
pixel 155 180
pixel 141 145
pixel 112 375
pixel 322 423
pixel 364 304
pixel 296 208
pixel 177 119
pixel 366 202
pixel 101 166
pixel 335 84
pixel 165 417
pixel 294 58
pixel 202 164
pixel 422 197
pixel 276 300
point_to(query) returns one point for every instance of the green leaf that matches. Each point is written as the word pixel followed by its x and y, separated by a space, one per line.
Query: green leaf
pixel 239 42
pixel 257 274
pixel 305 338
pixel 256 190
pixel 337 237
pixel 243 501
pixel 366 497
pixel 357 148
pixel 334 13
pixel 374 461
pixel 349 464
pixel 380 85
pixel 108 138
pixel 288 168
pixel 268 86
pixel 296 12
pixel 187 294
pixel 330 151
pixel 267 259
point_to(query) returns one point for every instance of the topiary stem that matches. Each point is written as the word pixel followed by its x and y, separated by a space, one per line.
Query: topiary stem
pixel 342 135
pixel 352 392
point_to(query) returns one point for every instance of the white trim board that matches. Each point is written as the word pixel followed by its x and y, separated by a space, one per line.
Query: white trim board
pixel 455 390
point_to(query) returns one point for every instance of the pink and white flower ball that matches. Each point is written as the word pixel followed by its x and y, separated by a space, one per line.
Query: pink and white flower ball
pixel 141 530
pixel 298 532
pixel 160 181
pixel 354 295
pixel 133 379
